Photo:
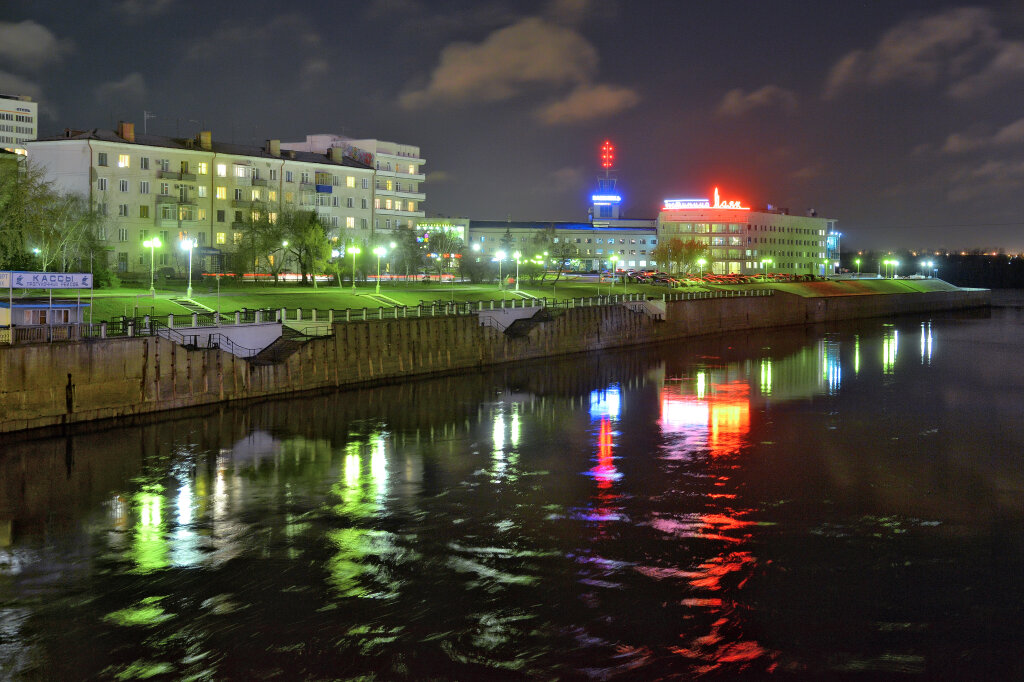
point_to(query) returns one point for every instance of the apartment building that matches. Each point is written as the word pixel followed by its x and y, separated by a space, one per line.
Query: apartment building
pixel 397 199
pixel 151 185
pixel 19 122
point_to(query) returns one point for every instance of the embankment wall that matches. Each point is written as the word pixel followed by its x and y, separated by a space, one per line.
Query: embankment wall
pixel 51 385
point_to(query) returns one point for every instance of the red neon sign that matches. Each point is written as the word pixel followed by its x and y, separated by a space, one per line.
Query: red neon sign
pixel 607 155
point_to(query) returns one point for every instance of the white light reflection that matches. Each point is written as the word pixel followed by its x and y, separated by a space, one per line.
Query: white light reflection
pixel 702 385
pixel 832 366
pixel 890 347
pixel 926 343
pixel 606 403
pixel 766 376
pixel 856 354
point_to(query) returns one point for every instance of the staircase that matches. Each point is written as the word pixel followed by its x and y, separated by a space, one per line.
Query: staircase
pixel 281 349
pixel 190 305
pixel 521 328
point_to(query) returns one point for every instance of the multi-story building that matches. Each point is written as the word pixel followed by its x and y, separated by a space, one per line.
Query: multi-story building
pixel 19 122
pixel 397 199
pixel 742 240
pixel 150 185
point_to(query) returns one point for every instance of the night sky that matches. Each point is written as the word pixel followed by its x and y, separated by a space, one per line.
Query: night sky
pixel 902 119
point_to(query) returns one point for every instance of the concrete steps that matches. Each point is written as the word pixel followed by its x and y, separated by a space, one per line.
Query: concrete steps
pixel 191 305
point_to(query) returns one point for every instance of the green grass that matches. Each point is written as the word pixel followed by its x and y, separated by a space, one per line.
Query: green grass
pixel 131 300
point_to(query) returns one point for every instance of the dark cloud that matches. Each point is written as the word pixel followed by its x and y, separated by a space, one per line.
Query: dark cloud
pixel 737 103
pixel 31 46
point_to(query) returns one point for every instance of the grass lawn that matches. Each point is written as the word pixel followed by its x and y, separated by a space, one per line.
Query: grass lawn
pixel 131 300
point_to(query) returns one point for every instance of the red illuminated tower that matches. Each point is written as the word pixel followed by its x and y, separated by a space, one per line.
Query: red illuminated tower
pixel 605 202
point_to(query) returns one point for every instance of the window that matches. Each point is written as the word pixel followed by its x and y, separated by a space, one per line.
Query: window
pixel 255 195
pixel 222 170
pixel 272 195
pixel 200 214
pixel 202 168
pixel 334 221
pixel 166 212
pixel 101 184
pixel 101 232
pixel 412 206
pixel 123 161
pixel 238 216
pixel 220 216
pixel 144 163
pixel 238 194
pixel 376 203
pixel 241 171
pixel 143 211
pixel 122 234
pixel 165 188
pixel 387 203
pixel 143 235
pixel 165 164
pixel 222 192
pixel 144 187
pixel 236 238
pixel 122 185
pixel 122 210
pixel 334 202
pixel 273 174
pixel 398 187
pixel 222 238
pixel 101 159
pixel 362 223
pixel 390 184
pixel 201 191
pixel 366 183
pixel 202 238
pixel 350 181
pixel 350 222
pixel 388 223
pixel 289 176
pixel 363 201
pixel 412 169
pixel 348 202
pixel 304 178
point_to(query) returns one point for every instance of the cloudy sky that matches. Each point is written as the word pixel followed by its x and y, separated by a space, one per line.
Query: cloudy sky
pixel 903 119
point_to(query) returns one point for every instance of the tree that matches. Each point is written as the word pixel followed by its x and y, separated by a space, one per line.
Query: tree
pixel 679 256
pixel 447 247
pixel 307 241
pixel 263 236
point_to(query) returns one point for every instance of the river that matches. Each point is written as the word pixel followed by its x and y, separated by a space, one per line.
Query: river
pixel 828 502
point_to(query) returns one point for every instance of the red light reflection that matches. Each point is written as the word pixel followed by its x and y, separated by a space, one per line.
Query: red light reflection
pixel 722 416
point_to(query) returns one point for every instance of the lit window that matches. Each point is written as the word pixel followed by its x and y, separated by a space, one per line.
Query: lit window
pixel 412 169
pixel 143 211
pixel 123 161
pixel 376 202
pixel 412 206
pixel 390 184
pixel 201 191
pixel 272 217
pixel 387 203
pixel 272 195
pixel 200 214
pixel 222 170
pixel 202 168
pixel 222 192
pixel 350 181
pixel 350 222
pixel 222 238
pixel 255 195
pixel 236 237
pixel 241 172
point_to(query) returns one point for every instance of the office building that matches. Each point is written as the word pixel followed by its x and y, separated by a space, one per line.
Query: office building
pixel 19 122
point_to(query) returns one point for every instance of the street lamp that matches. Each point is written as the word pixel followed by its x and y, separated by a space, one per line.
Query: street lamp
pixel 766 262
pixel 701 262
pixel 857 261
pixel 379 251
pixel 354 250
pixel 614 261
pixel 895 268
pixel 152 245
pixel 517 256
pixel 931 266
pixel 500 256
pixel 187 244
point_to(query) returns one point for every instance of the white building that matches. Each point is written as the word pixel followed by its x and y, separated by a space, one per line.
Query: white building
pixel 742 240
pixel 151 185
pixel 19 122
pixel 397 199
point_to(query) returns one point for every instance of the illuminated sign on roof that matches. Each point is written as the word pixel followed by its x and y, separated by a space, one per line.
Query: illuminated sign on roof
pixel 607 198
pixel 607 155
pixel 681 204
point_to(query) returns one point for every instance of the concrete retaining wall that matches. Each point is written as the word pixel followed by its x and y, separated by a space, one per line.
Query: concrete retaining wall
pixel 50 385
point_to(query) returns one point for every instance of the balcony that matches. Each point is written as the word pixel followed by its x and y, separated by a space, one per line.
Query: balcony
pixel 323 189
pixel 188 177
pixel 241 203
pixel 171 199
pixel 398 212
pixel 401 175
pixel 169 175
pixel 259 182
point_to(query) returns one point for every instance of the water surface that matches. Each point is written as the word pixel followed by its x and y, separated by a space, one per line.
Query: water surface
pixel 823 502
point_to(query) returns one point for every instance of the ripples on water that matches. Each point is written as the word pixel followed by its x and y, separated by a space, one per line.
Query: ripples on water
pixel 812 503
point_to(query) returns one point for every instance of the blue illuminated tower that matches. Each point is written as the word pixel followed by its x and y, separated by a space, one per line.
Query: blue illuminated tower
pixel 606 201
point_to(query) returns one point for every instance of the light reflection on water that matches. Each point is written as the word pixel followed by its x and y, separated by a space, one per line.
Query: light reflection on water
pixel 768 503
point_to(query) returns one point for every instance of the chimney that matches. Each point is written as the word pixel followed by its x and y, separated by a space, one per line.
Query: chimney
pixel 274 147
pixel 126 131
pixel 206 140
pixel 337 154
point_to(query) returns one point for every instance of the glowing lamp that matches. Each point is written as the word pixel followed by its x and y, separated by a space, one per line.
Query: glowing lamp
pixel 607 155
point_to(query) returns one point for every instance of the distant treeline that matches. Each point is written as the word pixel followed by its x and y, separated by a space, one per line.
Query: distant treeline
pixel 970 270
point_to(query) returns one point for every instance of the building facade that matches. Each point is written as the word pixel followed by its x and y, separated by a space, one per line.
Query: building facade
pixel 154 186
pixel 741 240
pixel 397 196
pixel 19 122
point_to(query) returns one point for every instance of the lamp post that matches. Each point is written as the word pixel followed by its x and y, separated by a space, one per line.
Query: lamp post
pixel 701 262
pixel 152 244
pixel 379 251
pixel 857 262
pixel 517 256
pixel 614 261
pixel 354 250
pixel 766 262
pixel 895 269
pixel 500 256
pixel 187 244
pixel 933 268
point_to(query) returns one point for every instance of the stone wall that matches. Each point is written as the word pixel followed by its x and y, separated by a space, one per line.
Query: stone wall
pixel 50 385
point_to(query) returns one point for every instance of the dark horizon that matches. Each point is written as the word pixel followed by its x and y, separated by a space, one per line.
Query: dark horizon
pixel 901 120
